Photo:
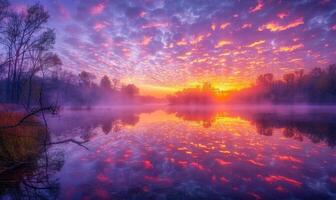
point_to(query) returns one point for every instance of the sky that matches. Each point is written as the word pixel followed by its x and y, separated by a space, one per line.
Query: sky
pixel 165 45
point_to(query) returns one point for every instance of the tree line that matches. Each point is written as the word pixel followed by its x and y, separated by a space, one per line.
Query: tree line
pixel 85 90
pixel 201 95
pixel 318 86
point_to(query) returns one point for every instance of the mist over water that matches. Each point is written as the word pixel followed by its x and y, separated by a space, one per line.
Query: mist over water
pixel 208 152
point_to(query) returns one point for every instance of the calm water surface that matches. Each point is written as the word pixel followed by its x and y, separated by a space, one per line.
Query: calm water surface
pixel 187 153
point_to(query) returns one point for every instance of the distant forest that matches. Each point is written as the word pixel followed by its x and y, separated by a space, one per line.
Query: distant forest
pixel 317 87
pixel 31 72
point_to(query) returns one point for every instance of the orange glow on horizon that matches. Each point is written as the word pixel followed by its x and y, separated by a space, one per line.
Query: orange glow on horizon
pixel 163 91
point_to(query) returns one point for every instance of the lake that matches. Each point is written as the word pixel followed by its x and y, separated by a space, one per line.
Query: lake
pixel 188 153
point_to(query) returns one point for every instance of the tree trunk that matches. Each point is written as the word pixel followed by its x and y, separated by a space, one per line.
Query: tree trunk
pixel 29 90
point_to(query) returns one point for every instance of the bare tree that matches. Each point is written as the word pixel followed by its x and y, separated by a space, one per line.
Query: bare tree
pixel 26 43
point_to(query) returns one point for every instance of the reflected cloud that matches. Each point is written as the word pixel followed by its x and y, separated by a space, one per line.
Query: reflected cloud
pixel 189 152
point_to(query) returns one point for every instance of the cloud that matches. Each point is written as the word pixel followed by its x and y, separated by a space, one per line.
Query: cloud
pixel 256 43
pixel 182 42
pixel 19 8
pixel 213 27
pixel 247 25
pixel 155 25
pixel 222 43
pixel 197 39
pixel 97 9
pixel 258 7
pixel 333 27
pixel 134 12
pixel 73 29
pixel 99 26
pixel 291 48
pixel 275 27
pixel 224 26
pixel 146 40
pixel 282 15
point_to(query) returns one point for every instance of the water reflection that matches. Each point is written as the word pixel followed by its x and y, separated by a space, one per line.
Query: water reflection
pixel 84 123
pixel 315 124
pixel 193 153
pixel 206 116
pixel 200 154
pixel 318 127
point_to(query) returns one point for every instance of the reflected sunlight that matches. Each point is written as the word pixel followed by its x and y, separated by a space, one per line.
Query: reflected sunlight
pixel 187 149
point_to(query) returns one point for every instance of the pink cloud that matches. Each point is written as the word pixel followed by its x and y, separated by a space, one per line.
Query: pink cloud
pixel 333 28
pixel 246 26
pixel 258 7
pixel 282 15
pixel 99 26
pixel 224 26
pixel 64 13
pixel 146 40
pixel 97 9
pixel 18 8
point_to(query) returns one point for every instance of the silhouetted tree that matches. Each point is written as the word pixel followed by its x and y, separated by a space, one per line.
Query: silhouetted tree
pixel 289 79
pixel 26 45
pixel 317 86
pixel 105 83
pixel 115 84
pixel 265 79
pixel 130 90
pixel 86 78
pixel 198 96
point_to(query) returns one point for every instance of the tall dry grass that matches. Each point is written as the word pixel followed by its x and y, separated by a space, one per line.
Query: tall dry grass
pixel 20 144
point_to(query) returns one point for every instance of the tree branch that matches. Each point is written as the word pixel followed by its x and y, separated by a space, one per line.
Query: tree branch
pixel 80 143
pixel 52 109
